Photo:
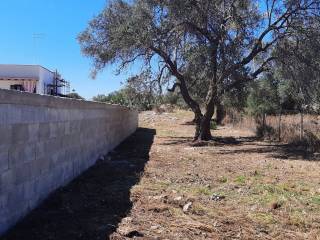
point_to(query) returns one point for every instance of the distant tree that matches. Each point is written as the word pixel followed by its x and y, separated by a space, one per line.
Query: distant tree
pixel 298 66
pixel 101 98
pixel 136 93
pixel 218 45
pixel 263 97
pixel 117 97
pixel 74 95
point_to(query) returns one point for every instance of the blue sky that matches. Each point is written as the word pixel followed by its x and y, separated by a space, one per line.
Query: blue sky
pixel 59 22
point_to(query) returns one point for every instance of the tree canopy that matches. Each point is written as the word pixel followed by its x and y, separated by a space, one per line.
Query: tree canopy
pixel 216 46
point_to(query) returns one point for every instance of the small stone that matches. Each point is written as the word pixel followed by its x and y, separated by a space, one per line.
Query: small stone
pixel 157 197
pixel 178 198
pixel 127 219
pixel 154 227
pixel 216 197
pixel 187 206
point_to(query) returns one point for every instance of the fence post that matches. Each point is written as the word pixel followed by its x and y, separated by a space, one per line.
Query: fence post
pixel 301 124
pixel 279 126
pixel 233 120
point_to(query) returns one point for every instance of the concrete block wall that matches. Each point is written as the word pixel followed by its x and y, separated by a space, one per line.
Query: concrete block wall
pixel 47 141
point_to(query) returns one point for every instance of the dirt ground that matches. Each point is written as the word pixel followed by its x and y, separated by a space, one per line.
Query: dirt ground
pixel 158 186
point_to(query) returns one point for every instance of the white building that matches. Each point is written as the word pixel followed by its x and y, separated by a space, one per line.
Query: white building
pixel 31 78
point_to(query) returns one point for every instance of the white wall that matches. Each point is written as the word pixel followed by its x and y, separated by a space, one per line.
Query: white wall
pixel 44 76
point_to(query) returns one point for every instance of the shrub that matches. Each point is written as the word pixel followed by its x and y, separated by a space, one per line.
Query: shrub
pixel 265 131
pixel 213 125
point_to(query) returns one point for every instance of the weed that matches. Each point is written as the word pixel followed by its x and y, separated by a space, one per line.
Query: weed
pixel 223 179
pixel 265 218
pixel 297 219
pixel 198 209
pixel 201 191
pixel 240 179
pixel 316 199
pixel 213 125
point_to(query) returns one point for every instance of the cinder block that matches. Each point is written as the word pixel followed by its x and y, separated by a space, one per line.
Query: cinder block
pixel 67 129
pixel 23 173
pixel 75 126
pixel 4 114
pixel 28 114
pixel 20 153
pixel 40 166
pixel 20 133
pixel 29 190
pixel 17 203
pixel 33 132
pixel 57 129
pixel 3 200
pixel 42 185
pixel 7 181
pixel 4 158
pixel 49 147
pixel 14 114
pixel 5 134
pixel 44 131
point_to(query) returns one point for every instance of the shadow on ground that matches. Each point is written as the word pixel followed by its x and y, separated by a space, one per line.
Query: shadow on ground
pixel 274 150
pixel 91 206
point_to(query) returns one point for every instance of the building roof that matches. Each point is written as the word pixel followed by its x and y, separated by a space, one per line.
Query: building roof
pixel 27 65
pixel 18 79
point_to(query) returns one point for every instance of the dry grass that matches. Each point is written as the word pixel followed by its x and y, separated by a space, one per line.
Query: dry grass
pixel 238 191
pixel 290 128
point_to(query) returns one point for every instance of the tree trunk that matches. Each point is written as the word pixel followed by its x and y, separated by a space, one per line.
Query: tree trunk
pixel 203 132
pixel 220 114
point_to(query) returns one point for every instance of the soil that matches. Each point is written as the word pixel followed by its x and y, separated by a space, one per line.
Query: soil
pixel 157 185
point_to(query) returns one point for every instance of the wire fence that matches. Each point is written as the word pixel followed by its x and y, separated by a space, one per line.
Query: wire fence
pixel 285 126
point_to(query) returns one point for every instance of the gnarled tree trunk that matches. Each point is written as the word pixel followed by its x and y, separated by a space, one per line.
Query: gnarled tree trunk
pixel 203 128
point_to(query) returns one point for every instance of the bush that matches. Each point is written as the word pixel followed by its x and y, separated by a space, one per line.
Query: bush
pixel 213 125
pixel 265 132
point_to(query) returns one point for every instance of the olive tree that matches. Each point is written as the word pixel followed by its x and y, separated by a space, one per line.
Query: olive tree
pixel 222 44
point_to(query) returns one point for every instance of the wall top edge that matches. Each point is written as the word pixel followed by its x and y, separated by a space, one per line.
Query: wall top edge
pixel 32 99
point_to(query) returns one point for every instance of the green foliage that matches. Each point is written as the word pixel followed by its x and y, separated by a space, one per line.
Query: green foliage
pixel 240 179
pixel 263 97
pixel 213 125
pixel 74 95
pixel 174 98
pixel 117 97
pixel 207 48
pixel 128 97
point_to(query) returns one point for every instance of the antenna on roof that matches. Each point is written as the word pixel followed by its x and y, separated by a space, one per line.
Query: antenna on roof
pixel 36 38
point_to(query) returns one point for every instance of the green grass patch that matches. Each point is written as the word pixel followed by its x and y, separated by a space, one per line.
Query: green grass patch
pixel 213 125
pixel 240 179
pixel 203 191
pixel 316 199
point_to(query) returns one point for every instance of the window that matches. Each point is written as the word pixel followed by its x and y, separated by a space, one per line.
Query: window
pixel 17 87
